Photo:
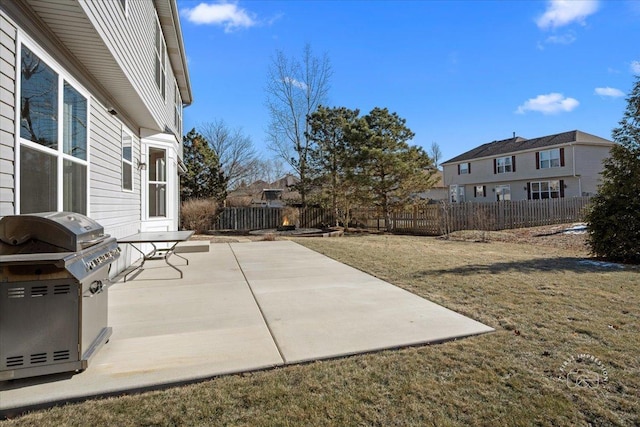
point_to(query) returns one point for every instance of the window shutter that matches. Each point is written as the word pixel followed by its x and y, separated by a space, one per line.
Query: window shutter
pixel 562 157
pixel 537 160
pixel 513 163
pixel 495 166
pixel 458 169
pixel 475 191
pixel 469 168
pixel 561 187
pixel 528 191
pixel 484 191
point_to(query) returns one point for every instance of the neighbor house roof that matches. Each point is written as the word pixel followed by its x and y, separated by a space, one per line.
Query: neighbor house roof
pixel 512 145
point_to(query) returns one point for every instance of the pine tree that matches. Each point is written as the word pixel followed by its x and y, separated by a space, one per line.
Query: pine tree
pixel 614 217
pixel 331 159
pixel 204 178
pixel 390 168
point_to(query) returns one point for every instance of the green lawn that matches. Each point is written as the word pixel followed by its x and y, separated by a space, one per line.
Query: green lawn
pixel 547 309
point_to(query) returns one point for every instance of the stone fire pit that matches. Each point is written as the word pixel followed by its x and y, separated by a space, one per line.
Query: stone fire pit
pixel 299 232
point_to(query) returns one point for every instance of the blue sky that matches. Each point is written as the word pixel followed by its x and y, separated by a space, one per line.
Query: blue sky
pixel 462 73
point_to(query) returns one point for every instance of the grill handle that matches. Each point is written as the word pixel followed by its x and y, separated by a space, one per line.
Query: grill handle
pixel 87 243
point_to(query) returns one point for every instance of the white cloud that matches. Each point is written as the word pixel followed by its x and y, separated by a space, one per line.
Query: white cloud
pixel 226 14
pixel 295 83
pixel 551 103
pixel 635 67
pixel 566 38
pixel 564 12
pixel 609 91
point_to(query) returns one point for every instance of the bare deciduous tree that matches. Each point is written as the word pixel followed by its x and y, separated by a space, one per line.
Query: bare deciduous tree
pixel 435 153
pixel 235 150
pixel 295 88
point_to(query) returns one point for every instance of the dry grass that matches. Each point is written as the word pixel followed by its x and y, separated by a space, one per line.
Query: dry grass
pixel 544 304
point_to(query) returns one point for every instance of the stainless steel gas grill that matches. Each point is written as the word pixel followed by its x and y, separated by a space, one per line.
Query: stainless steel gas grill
pixel 54 277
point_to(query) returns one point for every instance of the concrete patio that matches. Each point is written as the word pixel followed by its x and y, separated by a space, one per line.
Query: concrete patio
pixel 241 307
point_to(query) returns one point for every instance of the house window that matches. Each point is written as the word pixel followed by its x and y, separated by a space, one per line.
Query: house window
pixel 503 192
pixel 53 139
pixel 127 161
pixel 464 169
pixel 546 190
pixel 157 182
pixel 178 113
pixel 161 61
pixel 504 165
pixel 550 159
pixel 457 193
pixel 480 191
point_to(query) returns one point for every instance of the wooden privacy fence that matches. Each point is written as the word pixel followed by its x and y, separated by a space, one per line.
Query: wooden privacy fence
pixel 512 214
pixel 442 218
pixel 257 218
pixel 248 218
pixel 434 219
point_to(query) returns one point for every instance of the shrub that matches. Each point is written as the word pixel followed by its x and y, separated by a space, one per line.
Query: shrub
pixel 198 214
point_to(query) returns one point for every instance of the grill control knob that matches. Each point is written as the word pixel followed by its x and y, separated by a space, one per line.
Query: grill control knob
pixel 96 287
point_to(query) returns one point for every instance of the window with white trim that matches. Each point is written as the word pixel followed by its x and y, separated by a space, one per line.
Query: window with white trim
pixel 157 182
pixel 503 192
pixel 480 191
pixel 161 61
pixel 178 113
pixel 545 190
pixel 127 160
pixel 504 164
pixel 550 159
pixel 457 193
pixel 53 164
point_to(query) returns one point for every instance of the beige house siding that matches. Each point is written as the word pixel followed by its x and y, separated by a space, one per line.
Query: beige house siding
pixel 580 171
pixel 589 165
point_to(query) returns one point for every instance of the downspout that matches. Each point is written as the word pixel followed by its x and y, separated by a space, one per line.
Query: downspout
pixel 573 160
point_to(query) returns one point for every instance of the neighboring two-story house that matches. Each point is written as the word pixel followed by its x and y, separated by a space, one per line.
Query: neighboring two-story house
pixel 91 99
pixel 563 165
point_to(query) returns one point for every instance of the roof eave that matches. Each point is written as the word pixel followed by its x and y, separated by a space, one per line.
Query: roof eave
pixel 170 20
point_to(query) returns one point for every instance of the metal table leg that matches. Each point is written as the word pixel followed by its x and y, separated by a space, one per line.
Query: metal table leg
pixel 144 258
pixel 171 251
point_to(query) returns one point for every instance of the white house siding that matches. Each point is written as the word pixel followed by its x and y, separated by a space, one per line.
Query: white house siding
pixel 118 211
pixel 112 206
pixel 138 61
pixel 7 114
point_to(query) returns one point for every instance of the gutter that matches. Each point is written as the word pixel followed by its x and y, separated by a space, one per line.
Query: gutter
pixel 183 56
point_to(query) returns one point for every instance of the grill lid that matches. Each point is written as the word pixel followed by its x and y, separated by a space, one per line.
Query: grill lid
pixel 68 231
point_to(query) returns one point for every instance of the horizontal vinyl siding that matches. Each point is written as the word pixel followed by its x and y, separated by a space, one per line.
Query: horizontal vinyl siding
pixel 589 166
pixel 132 42
pixel 116 210
pixel 7 115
